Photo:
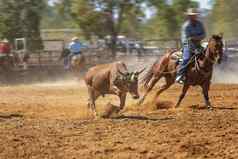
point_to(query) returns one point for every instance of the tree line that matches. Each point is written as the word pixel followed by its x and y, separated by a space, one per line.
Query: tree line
pixel 100 18
pixel 22 19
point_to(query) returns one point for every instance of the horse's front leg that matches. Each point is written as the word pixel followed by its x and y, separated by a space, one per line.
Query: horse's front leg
pixel 182 95
pixel 154 80
pixel 205 89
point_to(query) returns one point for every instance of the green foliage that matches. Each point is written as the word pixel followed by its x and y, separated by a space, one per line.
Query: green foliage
pixel 91 22
pixel 22 19
pixel 31 23
pixel 54 18
pixel 2 26
pixel 224 18
pixel 168 19
pixel 11 19
pixel 60 15
pixel 103 17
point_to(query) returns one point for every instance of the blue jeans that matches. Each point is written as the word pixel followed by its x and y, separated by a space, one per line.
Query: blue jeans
pixel 187 54
pixel 66 62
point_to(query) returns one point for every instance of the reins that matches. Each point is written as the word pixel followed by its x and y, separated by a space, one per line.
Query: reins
pixel 198 68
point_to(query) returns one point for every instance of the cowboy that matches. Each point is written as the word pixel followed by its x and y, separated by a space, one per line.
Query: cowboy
pixel 192 34
pixel 75 49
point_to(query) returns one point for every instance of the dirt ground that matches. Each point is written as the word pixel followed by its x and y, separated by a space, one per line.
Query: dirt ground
pixel 51 121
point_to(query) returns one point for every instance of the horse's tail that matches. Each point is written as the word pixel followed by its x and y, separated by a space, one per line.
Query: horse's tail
pixel 148 76
pixel 157 68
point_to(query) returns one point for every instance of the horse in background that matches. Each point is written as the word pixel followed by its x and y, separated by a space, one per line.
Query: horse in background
pixel 198 72
pixel 76 62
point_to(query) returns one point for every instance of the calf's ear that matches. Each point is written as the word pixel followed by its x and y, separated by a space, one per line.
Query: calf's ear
pixel 121 73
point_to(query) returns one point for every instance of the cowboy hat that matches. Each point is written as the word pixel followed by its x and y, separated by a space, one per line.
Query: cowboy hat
pixel 5 41
pixel 75 38
pixel 192 11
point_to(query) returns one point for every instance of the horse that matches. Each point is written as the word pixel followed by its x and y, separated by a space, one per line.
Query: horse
pixel 77 62
pixel 198 72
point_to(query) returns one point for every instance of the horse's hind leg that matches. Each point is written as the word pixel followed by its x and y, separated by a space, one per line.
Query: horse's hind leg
pixel 182 95
pixel 154 80
pixel 169 81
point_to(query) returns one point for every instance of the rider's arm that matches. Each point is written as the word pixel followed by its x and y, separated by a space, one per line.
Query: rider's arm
pixel 185 34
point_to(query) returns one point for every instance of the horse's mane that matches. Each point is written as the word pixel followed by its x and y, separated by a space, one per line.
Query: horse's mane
pixel 217 37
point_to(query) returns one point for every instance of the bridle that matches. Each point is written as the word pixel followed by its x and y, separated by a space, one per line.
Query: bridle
pixel 211 60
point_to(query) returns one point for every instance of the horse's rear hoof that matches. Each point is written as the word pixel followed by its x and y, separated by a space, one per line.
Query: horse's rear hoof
pixel 176 106
pixel 210 108
pixel 140 101
pixel 97 117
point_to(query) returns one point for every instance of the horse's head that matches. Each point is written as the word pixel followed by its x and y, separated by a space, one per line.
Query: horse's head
pixel 215 46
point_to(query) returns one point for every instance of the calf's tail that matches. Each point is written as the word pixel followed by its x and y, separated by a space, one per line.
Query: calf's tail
pixel 148 75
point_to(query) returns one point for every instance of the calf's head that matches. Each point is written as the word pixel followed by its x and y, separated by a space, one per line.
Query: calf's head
pixel 129 82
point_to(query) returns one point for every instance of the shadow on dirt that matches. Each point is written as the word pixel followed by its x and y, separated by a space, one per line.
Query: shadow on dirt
pixel 137 117
pixel 10 116
pixel 164 104
pixel 225 108
pixel 215 108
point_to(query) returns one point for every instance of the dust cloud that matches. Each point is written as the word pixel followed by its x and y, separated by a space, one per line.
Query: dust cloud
pixel 60 83
pixel 226 73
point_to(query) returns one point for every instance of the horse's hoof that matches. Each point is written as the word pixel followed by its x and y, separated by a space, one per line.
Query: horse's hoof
pixel 140 101
pixel 96 117
pixel 173 108
pixel 176 106
pixel 89 107
pixel 210 108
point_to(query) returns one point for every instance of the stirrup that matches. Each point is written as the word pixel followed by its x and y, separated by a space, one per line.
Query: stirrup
pixel 179 79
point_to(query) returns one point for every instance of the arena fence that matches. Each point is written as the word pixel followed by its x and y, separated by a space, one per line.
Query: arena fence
pixel 46 64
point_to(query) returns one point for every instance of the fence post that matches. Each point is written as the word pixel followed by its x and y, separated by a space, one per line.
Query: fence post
pixel 39 58
pixel 226 47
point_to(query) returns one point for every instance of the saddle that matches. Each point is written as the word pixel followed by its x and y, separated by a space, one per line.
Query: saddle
pixel 77 59
pixel 178 54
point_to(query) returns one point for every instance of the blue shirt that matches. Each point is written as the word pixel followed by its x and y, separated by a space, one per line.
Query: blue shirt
pixel 190 30
pixel 75 47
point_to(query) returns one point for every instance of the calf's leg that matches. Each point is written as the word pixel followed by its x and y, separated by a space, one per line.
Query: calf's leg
pixel 122 100
pixel 93 95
